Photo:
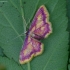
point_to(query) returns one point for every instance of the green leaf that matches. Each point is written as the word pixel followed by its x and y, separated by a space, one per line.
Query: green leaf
pixel 9 64
pixel 68 14
pixel 69 67
pixel 1 52
pixel 55 53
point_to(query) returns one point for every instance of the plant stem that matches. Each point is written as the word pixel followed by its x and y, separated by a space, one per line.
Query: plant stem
pixel 24 25
pixel 29 66
pixel 24 22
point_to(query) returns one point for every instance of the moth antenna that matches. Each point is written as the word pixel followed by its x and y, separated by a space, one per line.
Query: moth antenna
pixel 17 36
pixel 24 21
pixel 28 24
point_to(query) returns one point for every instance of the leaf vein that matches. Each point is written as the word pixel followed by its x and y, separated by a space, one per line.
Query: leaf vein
pixel 12 26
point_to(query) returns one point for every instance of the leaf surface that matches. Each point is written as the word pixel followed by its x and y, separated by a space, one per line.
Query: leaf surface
pixel 68 14
pixel 55 53
pixel 9 64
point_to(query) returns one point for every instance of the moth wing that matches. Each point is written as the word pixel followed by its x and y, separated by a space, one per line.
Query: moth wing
pixel 40 24
pixel 31 48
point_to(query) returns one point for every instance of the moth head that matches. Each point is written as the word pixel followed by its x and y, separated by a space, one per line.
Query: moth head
pixel 32 34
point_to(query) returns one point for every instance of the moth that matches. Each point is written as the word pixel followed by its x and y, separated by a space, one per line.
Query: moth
pixel 40 28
